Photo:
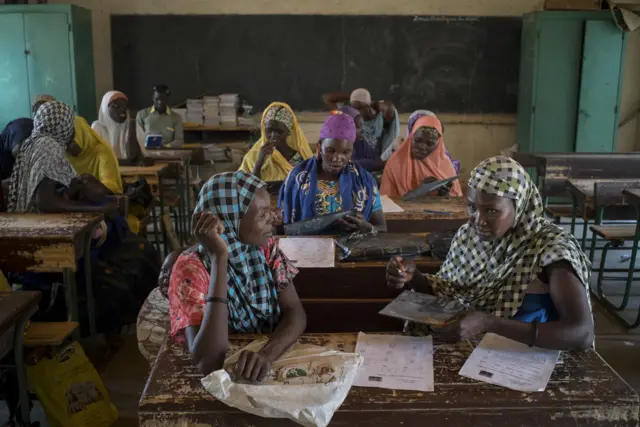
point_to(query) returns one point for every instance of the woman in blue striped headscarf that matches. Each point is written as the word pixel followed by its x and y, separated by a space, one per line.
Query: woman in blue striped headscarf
pixel 237 279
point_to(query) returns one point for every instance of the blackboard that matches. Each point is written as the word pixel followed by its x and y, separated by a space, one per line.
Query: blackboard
pixel 446 64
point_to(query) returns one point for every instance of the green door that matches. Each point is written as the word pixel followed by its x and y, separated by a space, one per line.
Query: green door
pixel 557 78
pixel 14 85
pixel 603 53
pixel 49 59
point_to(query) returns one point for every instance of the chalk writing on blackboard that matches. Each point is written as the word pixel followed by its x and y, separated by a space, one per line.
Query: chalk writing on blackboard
pixel 445 18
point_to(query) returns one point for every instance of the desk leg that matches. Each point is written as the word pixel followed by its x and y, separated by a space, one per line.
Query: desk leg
pixel 574 212
pixel 187 178
pixel 91 307
pixel 71 299
pixel 161 197
pixel 599 218
pixel 18 349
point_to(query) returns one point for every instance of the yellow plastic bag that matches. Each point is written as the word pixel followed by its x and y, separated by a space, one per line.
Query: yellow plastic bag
pixel 71 391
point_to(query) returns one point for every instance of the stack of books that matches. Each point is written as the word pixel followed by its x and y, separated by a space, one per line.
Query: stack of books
pixel 229 104
pixel 195 111
pixel 211 108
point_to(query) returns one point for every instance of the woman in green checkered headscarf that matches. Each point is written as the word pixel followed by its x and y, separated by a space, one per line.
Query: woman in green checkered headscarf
pixel 520 275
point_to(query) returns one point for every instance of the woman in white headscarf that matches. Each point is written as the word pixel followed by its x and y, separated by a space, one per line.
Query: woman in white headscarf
pixel 117 125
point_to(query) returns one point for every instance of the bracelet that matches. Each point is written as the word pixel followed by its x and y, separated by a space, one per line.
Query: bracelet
pixel 535 334
pixel 217 299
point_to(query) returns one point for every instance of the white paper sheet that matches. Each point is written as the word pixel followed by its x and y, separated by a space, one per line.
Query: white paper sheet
pixel 389 206
pixel 309 252
pixel 504 362
pixel 395 362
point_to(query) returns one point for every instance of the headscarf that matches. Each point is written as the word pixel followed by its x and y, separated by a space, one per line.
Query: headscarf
pixel 413 118
pixel 360 95
pixel 357 187
pixel 338 126
pixel 253 300
pixel 42 156
pixel 13 134
pixel 116 133
pixel 96 157
pixel 494 276
pixel 276 167
pixel 41 99
pixel 403 173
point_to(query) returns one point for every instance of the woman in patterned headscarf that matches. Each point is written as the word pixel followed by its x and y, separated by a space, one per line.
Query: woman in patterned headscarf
pixel 251 290
pixel 330 182
pixel 520 275
pixel 281 147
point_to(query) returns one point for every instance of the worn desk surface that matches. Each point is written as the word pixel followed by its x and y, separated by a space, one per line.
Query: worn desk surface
pixel 169 154
pixel 414 219
pixel 43 242
pixel 13 305
pixel 583 391
pixel 353 292
pixel 145 171
pixel 632 196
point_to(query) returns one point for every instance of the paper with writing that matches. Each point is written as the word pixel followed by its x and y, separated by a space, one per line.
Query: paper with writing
pixel 309 252
pixel 395 362
pixel 422 308
pixel 504 362
pixel 389 206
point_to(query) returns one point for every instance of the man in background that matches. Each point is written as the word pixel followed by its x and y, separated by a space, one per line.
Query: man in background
pixel 160 120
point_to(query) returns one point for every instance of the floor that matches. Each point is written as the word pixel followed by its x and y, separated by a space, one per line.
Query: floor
pixel 125 371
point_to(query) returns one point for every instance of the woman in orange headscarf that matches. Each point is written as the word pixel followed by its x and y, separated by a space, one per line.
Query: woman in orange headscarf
pixel 421 157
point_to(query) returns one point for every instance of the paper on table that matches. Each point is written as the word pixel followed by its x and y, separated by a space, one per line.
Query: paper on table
pixel 389 206
pixel 395 362
pixel 309 252
pixel 504 362
pixel 422 308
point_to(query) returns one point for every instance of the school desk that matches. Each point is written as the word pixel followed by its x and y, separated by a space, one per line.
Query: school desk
pixel 182 158
pixel 583 391
pixel 554 169
pixel 153 175
pixel 353 292
pixel 428 214
pixel 51 243
pixel 16 308
pixel 219 133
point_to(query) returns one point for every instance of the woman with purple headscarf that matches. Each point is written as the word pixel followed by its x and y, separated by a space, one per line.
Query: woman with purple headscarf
pixel 363 153
pixel 330 182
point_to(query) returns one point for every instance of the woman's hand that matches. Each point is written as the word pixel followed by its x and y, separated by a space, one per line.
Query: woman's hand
pixel 400 271
pixel 267 149
pixel 278 217
pixel 351 224
pixel 251 366
pixel 429 179
pixel 463 326
pixel 207 230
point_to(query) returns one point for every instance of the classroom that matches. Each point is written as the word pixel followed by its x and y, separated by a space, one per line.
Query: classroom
pixel 252 213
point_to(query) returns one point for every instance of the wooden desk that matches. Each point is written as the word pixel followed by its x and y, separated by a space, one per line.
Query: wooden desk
pixel 554 169
pixel 50 243
pixel 415 220
pixel 583 391
pixel 220 133
pixel 16 308
pixel 353 292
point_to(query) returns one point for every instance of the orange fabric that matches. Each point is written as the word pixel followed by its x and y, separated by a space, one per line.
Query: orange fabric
pixel 403 173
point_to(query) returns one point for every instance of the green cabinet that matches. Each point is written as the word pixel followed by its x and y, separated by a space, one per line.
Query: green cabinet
pixel 46 49
pixel 570 77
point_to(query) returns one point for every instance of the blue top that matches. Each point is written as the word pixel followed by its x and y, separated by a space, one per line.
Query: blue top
pixel 537 308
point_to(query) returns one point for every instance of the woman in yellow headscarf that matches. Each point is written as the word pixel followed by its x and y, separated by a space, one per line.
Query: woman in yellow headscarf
pixel 281 147
pixel 91 155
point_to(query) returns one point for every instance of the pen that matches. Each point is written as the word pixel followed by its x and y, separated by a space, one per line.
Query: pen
pixel 437 212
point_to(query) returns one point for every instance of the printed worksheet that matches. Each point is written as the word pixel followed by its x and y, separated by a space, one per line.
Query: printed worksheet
pixel 504 362
pixel 422 308
pixel 395 362
pixel 389 206
pixel 309 252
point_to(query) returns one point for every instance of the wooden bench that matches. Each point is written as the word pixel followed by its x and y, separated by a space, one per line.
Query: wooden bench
pixel 616 233
pixel 583 391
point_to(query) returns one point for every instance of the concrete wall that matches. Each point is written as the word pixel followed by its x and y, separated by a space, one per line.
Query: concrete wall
pixel 469 138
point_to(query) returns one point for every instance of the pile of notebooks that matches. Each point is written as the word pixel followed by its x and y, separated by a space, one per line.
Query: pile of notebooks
pixel 195 111
pixel 211 109
pixel 229 104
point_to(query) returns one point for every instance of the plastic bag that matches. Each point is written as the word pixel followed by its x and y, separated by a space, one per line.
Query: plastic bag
pixel 71 391
pixel 307 385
